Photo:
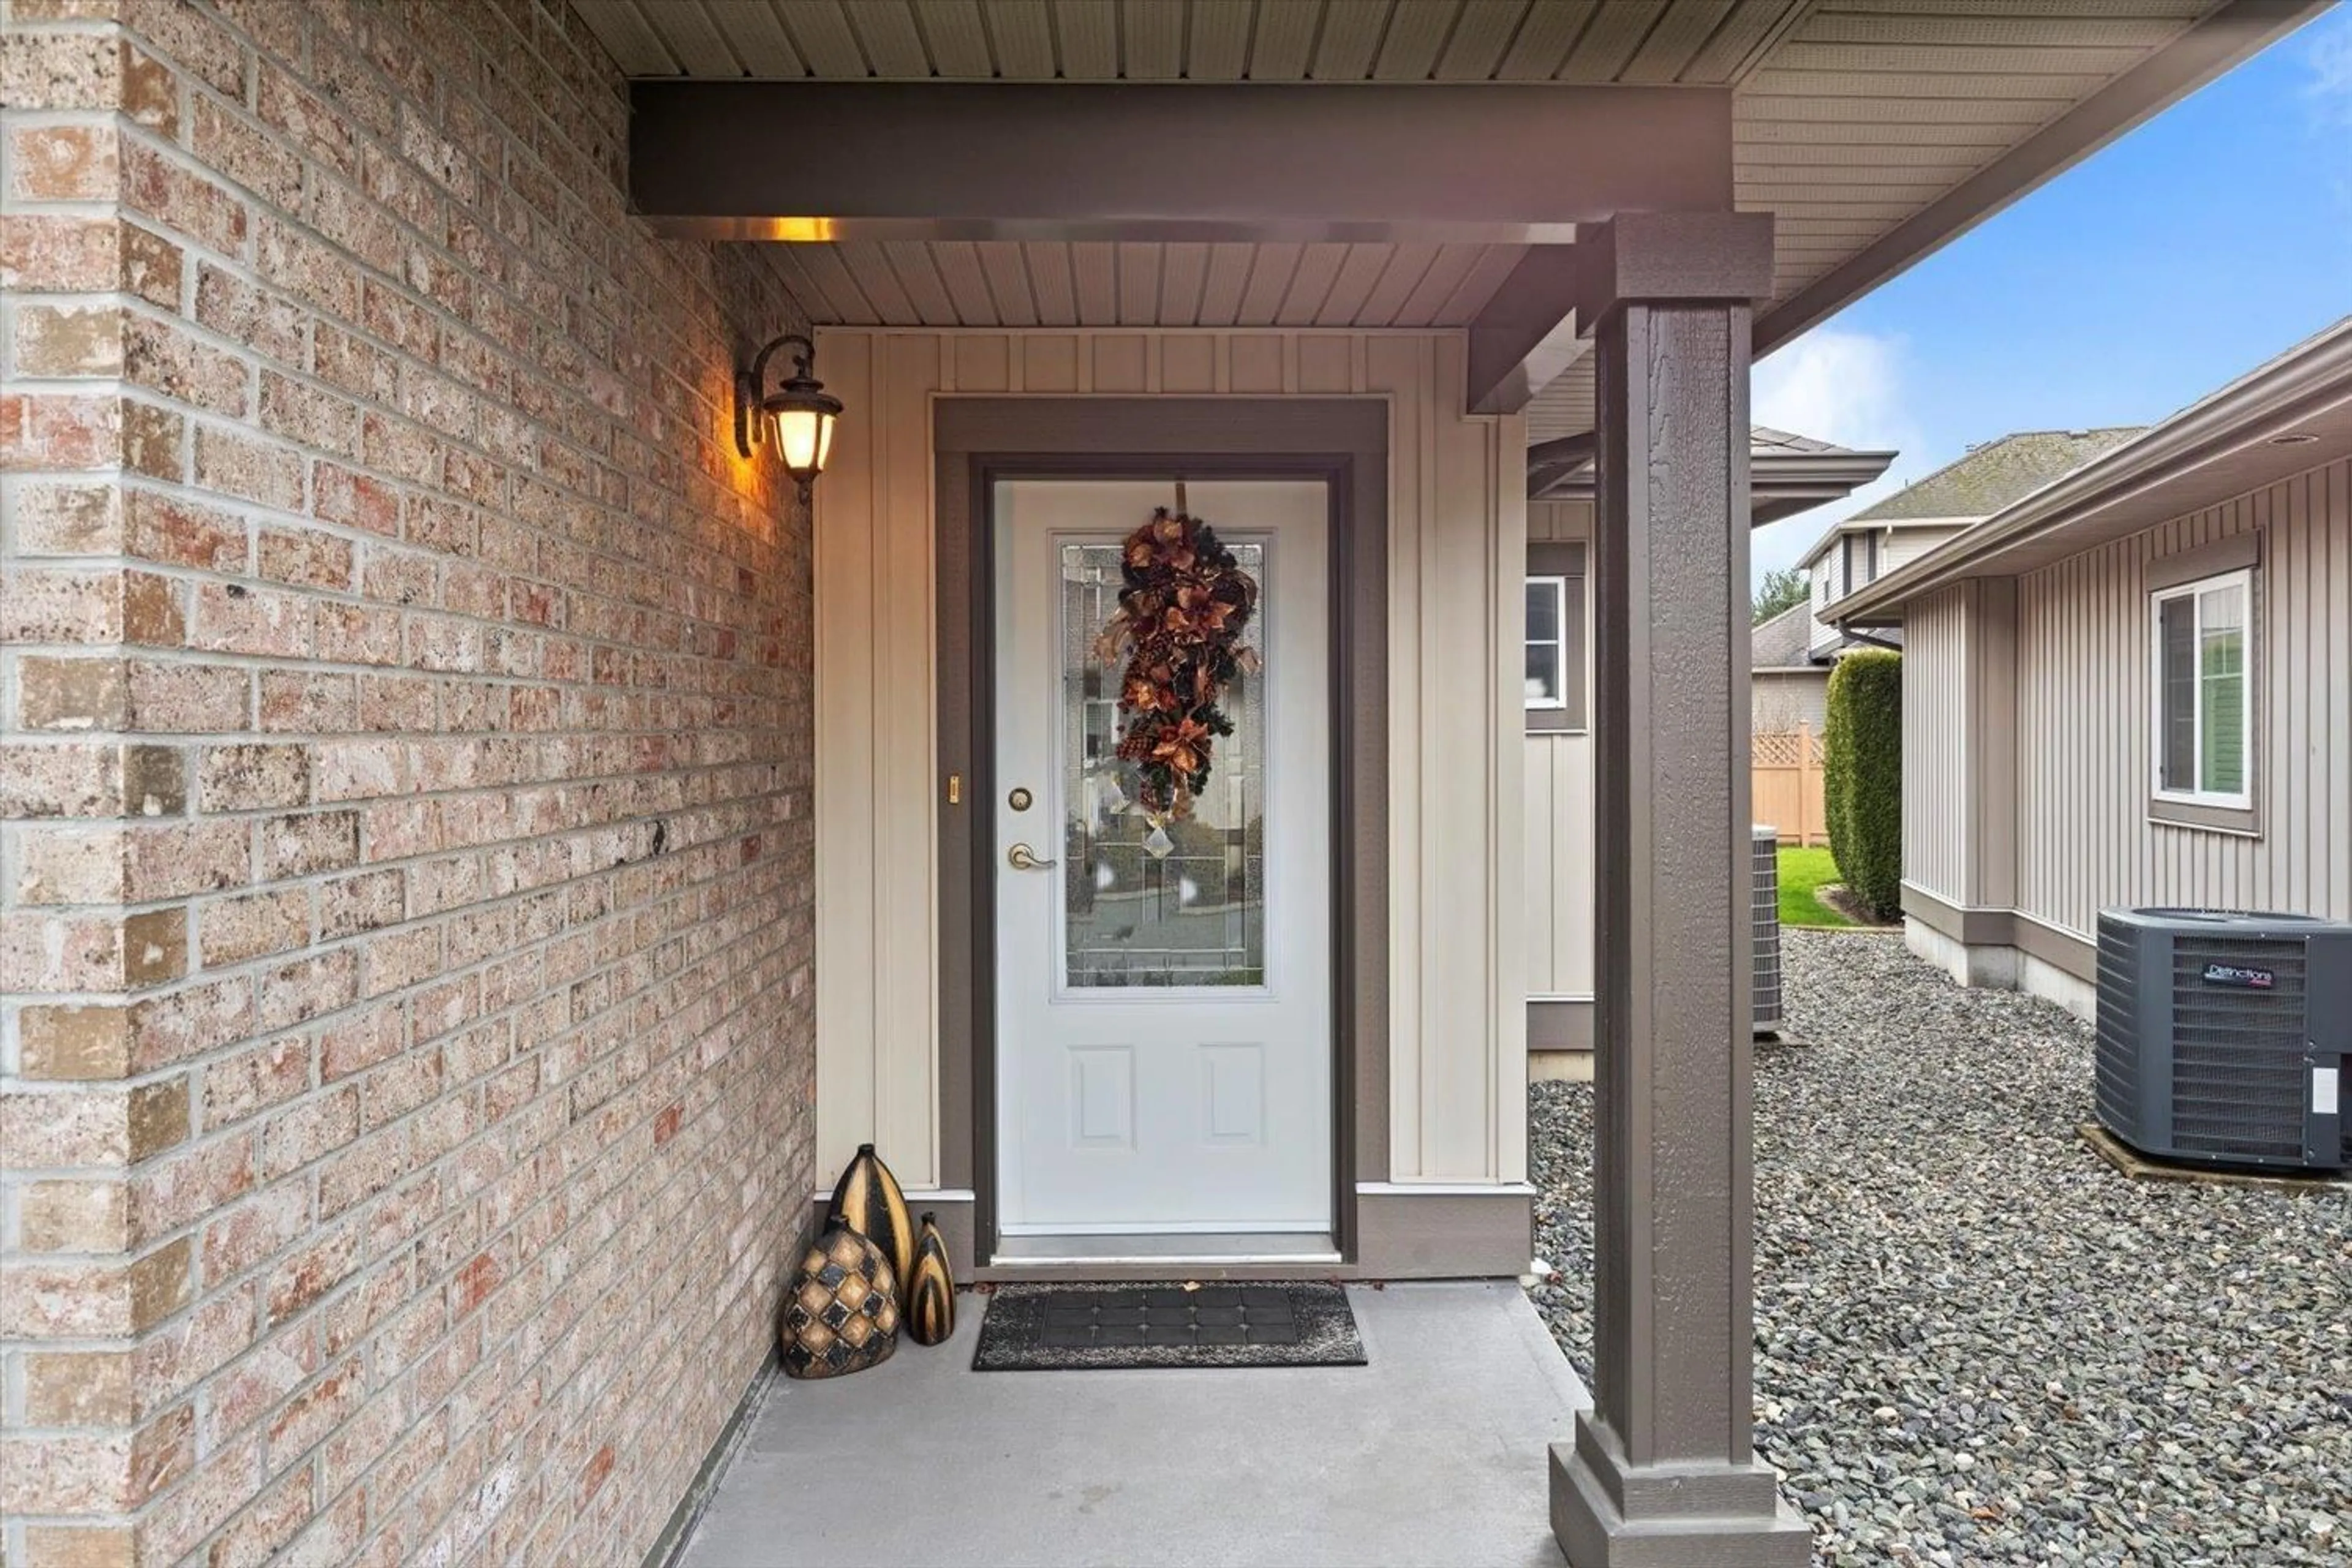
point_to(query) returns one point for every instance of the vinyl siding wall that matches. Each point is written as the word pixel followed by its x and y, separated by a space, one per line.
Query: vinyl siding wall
pixel 2084 837
pixel 1559 841
pixel 1456 549
pixel 1779 700
pixel 1899 546
pixel 1934 744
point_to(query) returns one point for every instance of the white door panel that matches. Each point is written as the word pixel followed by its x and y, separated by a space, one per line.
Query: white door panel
pixel 1163 1024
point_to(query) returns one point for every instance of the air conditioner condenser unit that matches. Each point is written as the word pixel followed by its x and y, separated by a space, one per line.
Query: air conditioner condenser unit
pixel 2225 1037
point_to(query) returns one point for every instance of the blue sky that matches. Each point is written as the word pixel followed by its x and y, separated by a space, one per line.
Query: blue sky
pixel 2180 257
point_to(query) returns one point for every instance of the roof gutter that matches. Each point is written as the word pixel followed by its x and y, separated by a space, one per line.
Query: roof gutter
pixel 1779 483
pixel 2309 377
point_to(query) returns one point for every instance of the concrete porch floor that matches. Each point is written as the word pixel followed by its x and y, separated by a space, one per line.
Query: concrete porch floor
pixel 1433 1454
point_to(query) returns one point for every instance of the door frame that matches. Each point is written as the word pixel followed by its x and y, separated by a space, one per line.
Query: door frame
pixel 1339 441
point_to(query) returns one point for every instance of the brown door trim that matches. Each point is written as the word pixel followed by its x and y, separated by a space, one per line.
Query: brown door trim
pixel 1342 442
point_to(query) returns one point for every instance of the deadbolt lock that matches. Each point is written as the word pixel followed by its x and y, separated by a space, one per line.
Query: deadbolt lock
pixel 1020 800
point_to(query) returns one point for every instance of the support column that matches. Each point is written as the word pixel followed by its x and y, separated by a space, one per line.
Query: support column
pixel 1662 1471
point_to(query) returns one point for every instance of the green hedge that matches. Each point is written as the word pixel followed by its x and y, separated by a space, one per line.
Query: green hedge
pixel 1862 778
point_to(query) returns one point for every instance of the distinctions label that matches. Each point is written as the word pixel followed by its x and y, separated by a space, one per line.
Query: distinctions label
pixel 2244 977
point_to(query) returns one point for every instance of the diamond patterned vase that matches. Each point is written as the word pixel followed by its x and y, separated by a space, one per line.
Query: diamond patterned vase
pixel 930 1295
pixel 867 1200
pixel 841 1313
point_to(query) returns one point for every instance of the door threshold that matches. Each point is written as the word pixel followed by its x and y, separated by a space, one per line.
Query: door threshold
pixel 1015 1252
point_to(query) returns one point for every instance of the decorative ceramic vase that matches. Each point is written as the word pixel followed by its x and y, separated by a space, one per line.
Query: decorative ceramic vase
pixel 867 1200
pixel 841 1313
pixel 930 1293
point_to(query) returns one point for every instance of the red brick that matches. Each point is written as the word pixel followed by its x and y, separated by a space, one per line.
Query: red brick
pixel 252 777
pixel 310 842
pixel 177 532
pixel 64 162
pixel 54 341
pixel 473 1285
pixel 305 558
pixel 231 931
pixel 55 253
pixel 159 356
pixel 182 203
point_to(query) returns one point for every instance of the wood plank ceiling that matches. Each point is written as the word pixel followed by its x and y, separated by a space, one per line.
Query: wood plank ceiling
pixel 1851 115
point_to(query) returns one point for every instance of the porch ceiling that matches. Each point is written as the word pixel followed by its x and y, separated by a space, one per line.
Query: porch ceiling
pixel 1056 283
pixel 1872 133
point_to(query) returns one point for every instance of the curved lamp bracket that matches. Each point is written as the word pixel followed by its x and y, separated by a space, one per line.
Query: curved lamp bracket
pixel 750 385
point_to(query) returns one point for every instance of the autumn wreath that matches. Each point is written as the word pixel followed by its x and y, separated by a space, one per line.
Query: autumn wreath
pixel 1181 609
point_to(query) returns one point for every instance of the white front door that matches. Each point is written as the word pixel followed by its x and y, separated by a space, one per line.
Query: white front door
pixel 1163 1021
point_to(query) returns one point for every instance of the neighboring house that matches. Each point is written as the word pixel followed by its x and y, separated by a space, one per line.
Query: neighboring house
pixel 484 850
pixel 1792 652
pixel 1858 550
pixel 1787 685
pixel 2134 686
pixel 1787 474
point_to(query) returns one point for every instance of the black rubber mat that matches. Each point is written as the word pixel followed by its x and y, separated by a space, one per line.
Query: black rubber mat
pixel 1063 1328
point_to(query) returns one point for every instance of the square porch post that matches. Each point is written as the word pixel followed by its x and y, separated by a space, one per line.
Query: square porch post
pixel 1662 1471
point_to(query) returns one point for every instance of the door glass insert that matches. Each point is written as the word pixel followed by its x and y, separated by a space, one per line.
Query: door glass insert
pixel 1194 915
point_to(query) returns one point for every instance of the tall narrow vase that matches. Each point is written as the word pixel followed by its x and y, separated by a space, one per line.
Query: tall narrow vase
pixel 930 1295
pixel 867 1200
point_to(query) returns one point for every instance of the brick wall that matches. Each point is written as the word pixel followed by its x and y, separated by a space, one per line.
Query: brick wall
pixel 405 899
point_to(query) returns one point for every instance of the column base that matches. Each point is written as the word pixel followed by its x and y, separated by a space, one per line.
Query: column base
pixel 1607 1513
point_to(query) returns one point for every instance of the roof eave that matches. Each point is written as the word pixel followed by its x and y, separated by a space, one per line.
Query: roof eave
pixel 2315 374
pixel 1779 484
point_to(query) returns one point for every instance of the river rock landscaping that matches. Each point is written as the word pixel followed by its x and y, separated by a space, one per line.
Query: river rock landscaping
pixel 1976 1343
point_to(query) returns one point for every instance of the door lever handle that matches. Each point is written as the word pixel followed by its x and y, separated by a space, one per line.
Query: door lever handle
pixel 1024 859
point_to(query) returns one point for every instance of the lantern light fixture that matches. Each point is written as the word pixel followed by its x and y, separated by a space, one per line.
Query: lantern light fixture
pixel 798 417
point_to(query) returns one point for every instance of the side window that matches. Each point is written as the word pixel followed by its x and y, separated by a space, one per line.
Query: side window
pixel 1556 655
pixel 2202 636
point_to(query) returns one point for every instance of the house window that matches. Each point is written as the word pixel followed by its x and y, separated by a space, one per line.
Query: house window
pixel 1861 560
pixel 2204 709
pixel 1546 649
pixel 1556 656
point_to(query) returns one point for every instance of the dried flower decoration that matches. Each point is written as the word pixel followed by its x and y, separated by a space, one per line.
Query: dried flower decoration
pixel 1182 611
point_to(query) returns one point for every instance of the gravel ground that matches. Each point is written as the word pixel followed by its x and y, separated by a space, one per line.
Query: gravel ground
pixel 1977 1343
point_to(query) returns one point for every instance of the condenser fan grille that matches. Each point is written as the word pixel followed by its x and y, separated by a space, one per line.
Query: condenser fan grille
pixel 2237 1051
pixel 2117 1089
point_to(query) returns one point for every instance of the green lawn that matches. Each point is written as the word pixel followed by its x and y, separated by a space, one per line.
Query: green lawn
pixel 1802 871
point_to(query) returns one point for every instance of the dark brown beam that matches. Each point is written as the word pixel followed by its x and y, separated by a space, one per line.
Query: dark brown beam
pixel 1475 162
pixel 2221 40
pixel 1525 335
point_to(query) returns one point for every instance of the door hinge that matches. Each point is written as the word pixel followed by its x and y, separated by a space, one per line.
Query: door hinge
pixel 955 789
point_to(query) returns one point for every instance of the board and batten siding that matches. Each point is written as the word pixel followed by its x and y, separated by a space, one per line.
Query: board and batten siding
pixel 1560 843
pixel 2085 700
pixel 1457 548
pixel 1936 733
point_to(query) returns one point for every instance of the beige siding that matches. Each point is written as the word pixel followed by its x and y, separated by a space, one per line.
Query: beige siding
pixel 1934 744
pixel 1897 546
pixel 1457 525
pixel 1779 700
pixel 2084 699
pixel 1560 902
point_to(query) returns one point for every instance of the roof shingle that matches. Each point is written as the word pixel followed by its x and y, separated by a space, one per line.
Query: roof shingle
pixel 1996 472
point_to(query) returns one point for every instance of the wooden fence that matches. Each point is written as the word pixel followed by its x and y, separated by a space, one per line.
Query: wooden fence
pixel 1785 767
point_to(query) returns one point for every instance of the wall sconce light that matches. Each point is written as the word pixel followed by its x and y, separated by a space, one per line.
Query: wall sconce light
pixel 798 415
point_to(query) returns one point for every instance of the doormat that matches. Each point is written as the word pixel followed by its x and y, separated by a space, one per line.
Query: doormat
pixel 1067 1328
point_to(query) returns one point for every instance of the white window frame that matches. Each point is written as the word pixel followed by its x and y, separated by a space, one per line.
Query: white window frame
pixel 1558 583
pixel 2194 590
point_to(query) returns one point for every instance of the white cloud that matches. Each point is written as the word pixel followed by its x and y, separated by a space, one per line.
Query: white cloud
pixel 2329 56
pixel 1840 386
pixel 2327 53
